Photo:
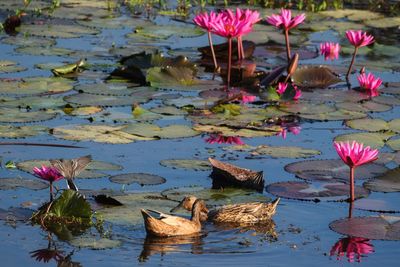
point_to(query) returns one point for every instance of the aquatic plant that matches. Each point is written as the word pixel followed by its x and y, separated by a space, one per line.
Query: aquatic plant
pixel 330 50
pixel 282 87
pixel 285 21
pixel 370 83
pixel 49 174
pixel 353 155
pixel 357 39
pixel 353 247
pixel 220 139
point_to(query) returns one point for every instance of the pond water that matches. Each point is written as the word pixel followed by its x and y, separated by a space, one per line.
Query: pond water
pixel 299 234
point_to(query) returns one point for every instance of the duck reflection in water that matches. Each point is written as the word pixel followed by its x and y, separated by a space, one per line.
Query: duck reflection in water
pixel 163 245
pixel 353 248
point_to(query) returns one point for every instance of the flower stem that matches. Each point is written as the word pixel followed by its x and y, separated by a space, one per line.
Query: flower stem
pixel 212 51
pixel 351 184
pixel 229 60
pixel 351 210
pixel 352 62
pixel 287 45
pixel 238 49
pixel 51 192
pixel 241 48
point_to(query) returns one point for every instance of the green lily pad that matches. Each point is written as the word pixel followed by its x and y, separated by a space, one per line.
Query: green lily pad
pixel 15 183
pixel 191 101
pixel 169 111
pixel 93 170
pixel 387 100
pixel 17 115
pixel 153 131
pixel 368 106
pixel 394 143
pixel 10 131
pixel 85 99
pixel 94 243
pixel 388 182
pixel 48 51
pixel 114 89
pixel 129 213
pixel 138 178
pixel 187 164
pixel 96 133
pixel 351 14
pixel 333 95
pixel 337 115
pixel 374 140
pixel 314 191
pixel 306 108
pixel 379 228
pixel 7 66
pixel 34 102
pixel 178 78
pixel 57 30
pixel 166 31
pixel 227 131
pixel 81 111
pixel 382 23
pixel 385 158
pixel 370 125
pixel 332 170
pixel 394 125
pixel 37 85
pixel 285 151
pixel 392 88
pixel 28 41
pixel 215 197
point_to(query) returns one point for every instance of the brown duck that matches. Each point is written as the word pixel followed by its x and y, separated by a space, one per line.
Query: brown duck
pixel 168 225
pixel 253 212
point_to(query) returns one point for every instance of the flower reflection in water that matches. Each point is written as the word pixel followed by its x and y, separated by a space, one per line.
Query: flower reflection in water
pixel 220 139
pixel 353 248
pixel 47 254
pixel 285 128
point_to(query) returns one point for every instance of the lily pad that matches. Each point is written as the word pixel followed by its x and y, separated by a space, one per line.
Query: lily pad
pixel 314 191
pixel 370 125
pixel 114 89
pixel 337 115
pixel 385 158
pixel 379 228
pixel 32 86
pixel 377 204
pixel 169 111
pixel 285 151
pixel 215 197
pixel 166 31
pixel 28 41
pixel 7 66
pixel 227 131
pixel 94 243
pixel 394 143
pixel 388 182
pixel 96 133
pixel 50 51
pixel 187 164
pixel 16 214
pixel 394 125
pixel 368 106
pixel 387 100
pixel 374 140
pixel 57 30
pixel 333 95
pixel 314 77
pixel 17 115
pixel 382 23
pixel 10 131
pixel 15 183
pixel 138 178
pixel 333 170
pixel 306 108
pixel 34 102
pixel 153 131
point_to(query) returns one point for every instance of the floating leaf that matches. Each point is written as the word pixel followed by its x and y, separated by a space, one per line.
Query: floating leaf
pixel 215 197
pixel 7 66
pixel 387 100
pixel 94 243
pixel 381 228
pixel 314 77
pixel 374 140
pixel 17 115
pixel 333 95
pixel 370 125
pixel 138 178
pixel 314 191
pixel 394 125
pixel 169 110
pixel 306 108
pixel 226 131
pixel 50 51
pixel 382 23
pixel 385 158
pixel 337 115
pixel 32 86
pixel 351 14
pixel 28 41
pixel 388 182
pixel 368 106
pixel 10 131
pixel 57 31
pixel 377 204
pixel 285 151
pixel 34 102
pixel 394 143
pixel 332 170
pixel 187 164
pixel 68 68
pixel 166 31
pixel 114 89
pixel 153 131
pixel 15 183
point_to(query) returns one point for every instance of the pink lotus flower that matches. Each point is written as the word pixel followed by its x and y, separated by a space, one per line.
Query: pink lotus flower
pixel 205 20
pixel 370 83
pixel 284 20
pixel 281 88
pixel 298 93
pixel 220 139
pixel 330 50
pixel 246 98
pixel 353 247
pixel 359 38
pixel 295 130
pixel 353 155
pixel 49 174
pixel 228 26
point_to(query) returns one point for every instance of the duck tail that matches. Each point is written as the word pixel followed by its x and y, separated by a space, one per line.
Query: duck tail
pixel 145 214
pixel 275 202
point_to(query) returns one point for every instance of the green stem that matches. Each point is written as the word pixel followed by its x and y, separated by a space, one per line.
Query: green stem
pixel 287 45
pixel 212 51
pixel 352 62
pixel 229 60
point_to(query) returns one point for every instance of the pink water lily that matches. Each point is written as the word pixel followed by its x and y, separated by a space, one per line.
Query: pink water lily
pixel 353 155
pixel 49 174
pixel 298 93
pixel 295 130
pixel 246 98
pixel 205 20
pixel 285 21
pixel 330 50
pixel 220 139
pixel 370 83
pixel 357 39
pixel 281 88
pixel 353 247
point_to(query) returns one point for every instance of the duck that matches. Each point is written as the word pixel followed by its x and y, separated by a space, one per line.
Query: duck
pixel 242 213
pixel 165 225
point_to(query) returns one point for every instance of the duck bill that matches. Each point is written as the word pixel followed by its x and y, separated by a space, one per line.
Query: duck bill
pixel 180 206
